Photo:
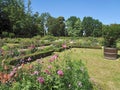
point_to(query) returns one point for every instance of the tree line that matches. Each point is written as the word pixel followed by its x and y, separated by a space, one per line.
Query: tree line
pixel 17 20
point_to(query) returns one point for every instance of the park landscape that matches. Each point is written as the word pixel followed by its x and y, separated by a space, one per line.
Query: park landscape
pixel 49 53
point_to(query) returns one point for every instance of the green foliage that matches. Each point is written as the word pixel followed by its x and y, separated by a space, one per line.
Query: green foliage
pixel 49 38
pixel 5 47
pixel 34 56
pixel 56 26
pixel 1 42
pixel 11 35
pixel 88 42
pixel 44 20
pixel 92 27
pixel 111 33
pixel 14 17
pixel 5 34
pixel 73 25
pixel 55 75
pixel 118 43
pixel 17 20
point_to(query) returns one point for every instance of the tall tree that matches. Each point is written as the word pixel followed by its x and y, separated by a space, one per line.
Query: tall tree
pixel 5 25
pixel 37 23
pixel 56 26
pixel 44 18
pixel 61 26
pixel 97 28
pixel 91 27
pixel 87 25
pixel 73 25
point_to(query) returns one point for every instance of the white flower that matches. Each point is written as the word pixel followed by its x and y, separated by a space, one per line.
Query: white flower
pixel 79 83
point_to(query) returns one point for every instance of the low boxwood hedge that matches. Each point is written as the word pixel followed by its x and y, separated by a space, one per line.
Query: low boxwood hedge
pixel 34 56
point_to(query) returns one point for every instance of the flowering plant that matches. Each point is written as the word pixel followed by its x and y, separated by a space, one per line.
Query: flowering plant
pixel 57 73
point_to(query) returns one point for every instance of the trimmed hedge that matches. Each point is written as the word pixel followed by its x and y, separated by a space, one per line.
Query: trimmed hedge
pixel 60 49
pixel 79 46
pixel 34 56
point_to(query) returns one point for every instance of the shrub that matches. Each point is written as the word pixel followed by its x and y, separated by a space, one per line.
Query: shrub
pixel 1 42
pixel 111 33
pixel 11 35
pixel 5 34
pixel 5 47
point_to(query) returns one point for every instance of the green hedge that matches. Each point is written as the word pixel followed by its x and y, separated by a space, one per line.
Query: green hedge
pixel 34 56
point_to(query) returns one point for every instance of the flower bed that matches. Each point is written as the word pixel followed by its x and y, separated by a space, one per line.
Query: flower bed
pixel 58 73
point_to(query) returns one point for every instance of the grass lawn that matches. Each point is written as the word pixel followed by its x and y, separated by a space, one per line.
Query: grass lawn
pixel 105 74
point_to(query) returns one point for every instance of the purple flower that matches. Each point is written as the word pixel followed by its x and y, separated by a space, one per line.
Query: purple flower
pixel 41 80
pixel 60 73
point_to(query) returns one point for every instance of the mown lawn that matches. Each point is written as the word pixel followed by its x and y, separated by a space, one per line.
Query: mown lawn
pixel 104 74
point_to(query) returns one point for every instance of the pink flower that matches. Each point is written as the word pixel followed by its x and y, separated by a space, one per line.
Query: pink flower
pixel 49 67
pixel 41 80
pixel 54 57
pixel 51 60
pixel 31 47
pixel 12 74
pixel 47 72
pixel 29 59
pixel 14 69
pixel 60 73
pixel 35 73
pixel 64 46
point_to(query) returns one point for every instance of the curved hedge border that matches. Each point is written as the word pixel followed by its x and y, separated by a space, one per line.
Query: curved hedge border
pixel 42 54
pixel 34 56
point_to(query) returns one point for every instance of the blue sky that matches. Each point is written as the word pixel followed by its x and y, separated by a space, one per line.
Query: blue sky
pixel 107 11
